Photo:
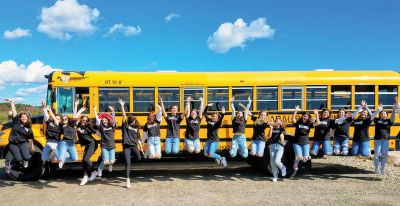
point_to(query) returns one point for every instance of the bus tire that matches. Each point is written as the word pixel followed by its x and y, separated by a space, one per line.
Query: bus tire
pixel 34 170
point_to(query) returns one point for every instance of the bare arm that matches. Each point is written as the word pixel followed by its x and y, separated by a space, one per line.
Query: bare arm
pixel 13 109
pixel 45 114
pixel 75 108
pixel 296 109
pixel 122 103
pixel 233 107
pixel 201 107
pixel 113 115
pixel 162 106
pixel 393 115
pixel 187 108
pixel 247 109
pixel 78 114
pixel 373 115
pixel 159 113
pixel 271 128
pixel 96 116
pixel 316 123
pixel 57 122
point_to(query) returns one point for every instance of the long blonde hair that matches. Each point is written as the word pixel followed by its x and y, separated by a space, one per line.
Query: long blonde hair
pixel 261 121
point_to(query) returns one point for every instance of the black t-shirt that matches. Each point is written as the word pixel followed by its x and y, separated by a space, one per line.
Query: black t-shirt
pixel 19 133
pixel 85 134
pixel 342 128
pixel 107 136
pixel 259 129
pixel 212 128
pixel 53 131
pixel 382 128
pixel 68 131
pixel 173 126
pixel 153 130
pixel 322 131
pixel 130 134
pixel 302 131
pixel 193 128
pixel 361 127
pixel 238 125
pixel 276 135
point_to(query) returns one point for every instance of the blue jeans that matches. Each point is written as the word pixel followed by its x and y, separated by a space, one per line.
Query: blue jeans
pixel 67 147
pixel 381 150
pixel 239 143
pixel 361 148
pixel 153 146
pixel 341 145
pixel 301 151
pixel 171 145
pixel 107 155
pixel 257 148
pixel 326 147
pixel 51 144
pixel 210 148
pixel 192 145
pixel 276 153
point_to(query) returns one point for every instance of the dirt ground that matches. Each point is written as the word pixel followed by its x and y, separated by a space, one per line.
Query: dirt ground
pixel 332 181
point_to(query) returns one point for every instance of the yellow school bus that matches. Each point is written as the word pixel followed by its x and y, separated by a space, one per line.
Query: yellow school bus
pixel 277 92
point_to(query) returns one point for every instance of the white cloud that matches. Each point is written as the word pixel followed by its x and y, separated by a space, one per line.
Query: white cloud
pixel 126 30
pixel 33 90
pixel 171 16
pixel 66 17
pixel 18 100
pixel 16 33
pixel 237 34
pixel 11 72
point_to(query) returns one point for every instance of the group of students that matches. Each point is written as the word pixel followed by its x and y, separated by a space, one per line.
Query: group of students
pixel 62 133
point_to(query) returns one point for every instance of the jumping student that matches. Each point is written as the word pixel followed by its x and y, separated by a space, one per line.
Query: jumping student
pixel 21 134
pixel 106 127
pixel 213 125
pixel 130 140
pixel 301 142
pixel 193 122
pixel 151 132
pixel 173 128
pixel 276 148
pixel 85 133
pixel 239 125
pixel 68 131
pixel 381 138
pixel 258 139
pixel 53 133
pixel 361 144
pixel 322 134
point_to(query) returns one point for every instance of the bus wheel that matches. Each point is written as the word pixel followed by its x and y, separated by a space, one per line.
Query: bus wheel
pixel 32 172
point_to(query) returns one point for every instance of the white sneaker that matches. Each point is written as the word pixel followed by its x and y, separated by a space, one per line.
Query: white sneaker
pixel 283 171
pixel 218 161
pixel 223 161
pixel 377 170
pixel 25 164
pixel 128 183
pixel 8 167
pixel 294 172
pixel 110 167
pixel 84 180
pixel 99 172
pixel 93 176
pixel 61 163
pixel 274 179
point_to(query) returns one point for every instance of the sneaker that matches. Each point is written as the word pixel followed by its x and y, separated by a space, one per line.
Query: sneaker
pixel 61 163
pixel 110 167
pixel 25 164
pixel 99 172
pixel 218 161
pixel 376 170
pixel 283 171
pixel 84 180
pixel 274 179
pixel 8 167
pixel 223 161
pixel 93 176
pixel 128 183
pixel 294 172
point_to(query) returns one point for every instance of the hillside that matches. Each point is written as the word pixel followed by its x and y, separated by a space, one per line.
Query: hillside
pixel 5 108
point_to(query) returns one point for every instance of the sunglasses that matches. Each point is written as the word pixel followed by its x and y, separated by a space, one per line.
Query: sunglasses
pixel 84 120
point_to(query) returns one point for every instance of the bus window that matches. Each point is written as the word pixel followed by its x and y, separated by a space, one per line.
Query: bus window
pixel 195 93
pixel 387 93
pixel 316 97
pixel 340 97
pixel 367 93
pixel 292 96
pixel 82 94
pixel 65 100
pixel 143 99
pixel 170 97
pixel 110 96
pixel 218 96
pixel 267 98
pixel 50 96
pixel 241 95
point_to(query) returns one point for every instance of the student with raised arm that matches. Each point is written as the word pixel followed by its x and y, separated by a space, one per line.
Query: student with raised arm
pixel 361 144
pixel 106 127
pixel 239 126
pixel 301 143
pixel 130 140
pixel 68 131
pixel 258 139
pixel 21 134
pixel 173 128
pixel 193 122
pixel 213 125
pixel 53 133
pixel 322 134
pixel 151 132
pixel 381 138
pixel 276 148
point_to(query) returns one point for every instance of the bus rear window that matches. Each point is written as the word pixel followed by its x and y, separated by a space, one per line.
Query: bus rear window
pixel 65 100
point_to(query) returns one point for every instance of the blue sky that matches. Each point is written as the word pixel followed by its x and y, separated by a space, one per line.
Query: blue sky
pixel 134 35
